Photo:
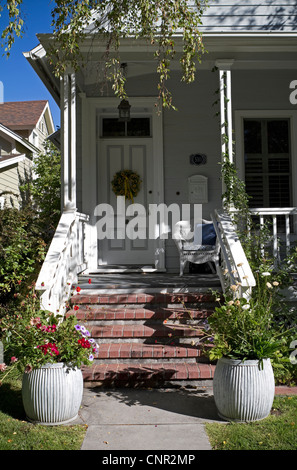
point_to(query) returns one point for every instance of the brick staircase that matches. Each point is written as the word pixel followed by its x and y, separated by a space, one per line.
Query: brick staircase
pixel 146 339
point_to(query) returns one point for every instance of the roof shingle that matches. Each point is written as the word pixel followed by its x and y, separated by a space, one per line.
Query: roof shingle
pixel 21 114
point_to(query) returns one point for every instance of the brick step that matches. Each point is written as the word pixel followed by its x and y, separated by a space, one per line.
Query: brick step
pixel 85 297
pixel 144 351
pixel 145 339
pixel 118 332
pixel 147 374
pixel 117 313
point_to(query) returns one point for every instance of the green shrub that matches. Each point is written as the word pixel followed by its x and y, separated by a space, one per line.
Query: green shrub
pixel 22 250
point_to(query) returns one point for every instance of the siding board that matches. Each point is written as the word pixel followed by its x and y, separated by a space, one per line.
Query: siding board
pixel 251 15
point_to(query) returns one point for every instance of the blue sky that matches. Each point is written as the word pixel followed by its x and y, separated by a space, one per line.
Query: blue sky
pixel 20 82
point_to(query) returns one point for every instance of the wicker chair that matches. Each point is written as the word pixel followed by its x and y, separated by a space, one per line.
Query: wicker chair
pixel 201 248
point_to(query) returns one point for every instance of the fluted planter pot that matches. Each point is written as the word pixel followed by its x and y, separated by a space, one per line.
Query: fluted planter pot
pixel 52 394
pixel 243 392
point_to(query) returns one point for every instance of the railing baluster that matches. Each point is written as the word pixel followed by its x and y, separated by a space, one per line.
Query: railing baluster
pixel 275 241
pixel 274 212
pixel 287 234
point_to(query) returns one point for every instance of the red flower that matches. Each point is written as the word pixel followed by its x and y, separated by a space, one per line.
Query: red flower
pixel 78 289
pixel 76 307
pixel 84 343
pixel 50 348
pixel 90 281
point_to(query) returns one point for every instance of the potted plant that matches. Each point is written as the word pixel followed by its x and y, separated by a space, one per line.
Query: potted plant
pixel 48 350
pixel 244 337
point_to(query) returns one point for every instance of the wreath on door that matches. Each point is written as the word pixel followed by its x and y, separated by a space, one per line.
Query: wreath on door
pixel 126 183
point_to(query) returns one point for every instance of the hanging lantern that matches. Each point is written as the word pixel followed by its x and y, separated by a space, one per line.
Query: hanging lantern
pixel 124 111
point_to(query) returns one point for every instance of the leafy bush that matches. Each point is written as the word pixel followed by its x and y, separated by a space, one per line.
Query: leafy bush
pixel 22 250
pixel 46 190
pixel 25 234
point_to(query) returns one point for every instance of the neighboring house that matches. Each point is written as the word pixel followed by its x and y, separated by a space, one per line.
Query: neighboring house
pixel 16 155
pixel 254 47
pixel 24 126
pixel 32 120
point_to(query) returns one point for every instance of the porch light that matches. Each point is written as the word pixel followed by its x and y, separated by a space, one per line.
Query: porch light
pixel 124 111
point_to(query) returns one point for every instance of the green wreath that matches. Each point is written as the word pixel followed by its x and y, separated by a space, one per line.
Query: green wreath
pixel 126 183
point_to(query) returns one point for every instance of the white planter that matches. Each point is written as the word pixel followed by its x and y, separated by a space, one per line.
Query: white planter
pixel 242 391
pixel 52 394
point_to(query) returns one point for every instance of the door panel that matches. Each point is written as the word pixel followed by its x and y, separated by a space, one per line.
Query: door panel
pixel 136 155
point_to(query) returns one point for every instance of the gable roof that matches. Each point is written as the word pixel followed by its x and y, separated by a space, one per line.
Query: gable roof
pixel 7 132
pixel 21 114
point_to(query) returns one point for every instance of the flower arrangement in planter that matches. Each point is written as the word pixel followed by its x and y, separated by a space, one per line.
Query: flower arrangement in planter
pixel 245 337
pixel 49 351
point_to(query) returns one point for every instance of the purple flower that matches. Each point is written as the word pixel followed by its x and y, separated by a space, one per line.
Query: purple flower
pixel 91 357
pixel 77 327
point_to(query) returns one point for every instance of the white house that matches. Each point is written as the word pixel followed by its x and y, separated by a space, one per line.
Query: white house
pixel 251 59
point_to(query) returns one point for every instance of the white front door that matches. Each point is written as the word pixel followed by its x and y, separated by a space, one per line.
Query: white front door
pixel 134 154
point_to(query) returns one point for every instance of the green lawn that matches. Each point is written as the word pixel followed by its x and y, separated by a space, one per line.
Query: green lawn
pixel 277 432
pixel 18 434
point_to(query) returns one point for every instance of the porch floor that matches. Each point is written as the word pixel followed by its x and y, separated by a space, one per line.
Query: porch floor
pixel 149 282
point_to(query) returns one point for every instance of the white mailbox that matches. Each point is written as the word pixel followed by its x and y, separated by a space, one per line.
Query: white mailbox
pixel 198 189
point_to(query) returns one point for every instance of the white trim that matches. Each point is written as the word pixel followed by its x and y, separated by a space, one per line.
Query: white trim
pixel 240 115
pixel 12 161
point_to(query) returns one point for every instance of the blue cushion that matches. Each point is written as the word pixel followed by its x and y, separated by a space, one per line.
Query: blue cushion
pixel 208 234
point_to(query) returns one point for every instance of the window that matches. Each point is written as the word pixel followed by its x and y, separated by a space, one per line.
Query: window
pixel 136 127
pixel 267 159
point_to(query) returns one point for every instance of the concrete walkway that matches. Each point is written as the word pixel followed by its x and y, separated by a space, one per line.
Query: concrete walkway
pixel 150 419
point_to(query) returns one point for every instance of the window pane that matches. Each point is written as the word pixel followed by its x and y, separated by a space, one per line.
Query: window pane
pixel 252 136
pixel 278 136
pixel 279 194
pixel 138 127
pixel 279 165
pixel 112 127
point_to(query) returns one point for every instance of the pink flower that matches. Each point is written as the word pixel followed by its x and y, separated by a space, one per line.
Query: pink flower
pixel 3 367
pixel 13 359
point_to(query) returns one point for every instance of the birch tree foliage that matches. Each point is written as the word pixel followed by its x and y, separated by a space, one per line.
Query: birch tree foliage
pixel 164 24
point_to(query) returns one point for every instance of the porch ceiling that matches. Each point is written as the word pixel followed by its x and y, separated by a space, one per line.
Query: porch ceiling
pixel 257 51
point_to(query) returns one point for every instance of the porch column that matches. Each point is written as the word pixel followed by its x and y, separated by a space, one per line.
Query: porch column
pixel 68 122
pixel 224 67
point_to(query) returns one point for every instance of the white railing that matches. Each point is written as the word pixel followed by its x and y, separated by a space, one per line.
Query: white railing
pixel 234 269
pixel 66 257
pixel 287 235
